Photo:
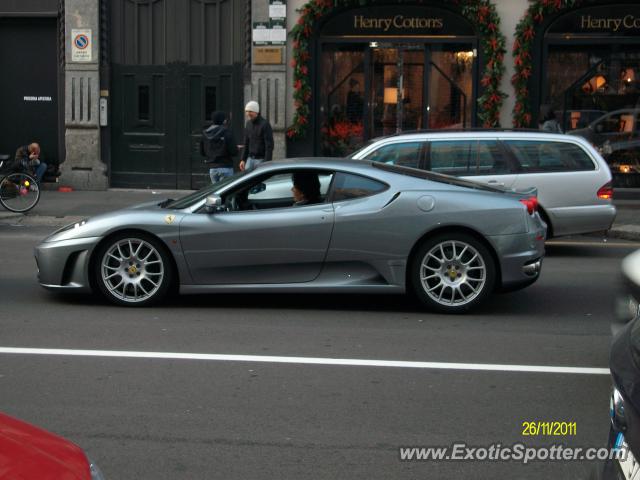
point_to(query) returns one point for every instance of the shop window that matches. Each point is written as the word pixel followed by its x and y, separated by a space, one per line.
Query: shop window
pixel 342 84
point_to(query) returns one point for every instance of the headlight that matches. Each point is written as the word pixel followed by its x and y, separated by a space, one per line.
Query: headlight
pixel 616 410
pixel 66 228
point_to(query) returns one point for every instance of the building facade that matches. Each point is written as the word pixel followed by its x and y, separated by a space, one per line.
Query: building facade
pixel 117 92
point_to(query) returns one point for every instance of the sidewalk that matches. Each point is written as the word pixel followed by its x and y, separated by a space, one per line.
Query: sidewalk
pixel 58 208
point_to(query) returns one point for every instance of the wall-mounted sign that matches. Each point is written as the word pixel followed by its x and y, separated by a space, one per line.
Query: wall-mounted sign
pixel 270 33
pixel 261 33
pixel 398 20
pixel 81 45
pixel 267 56
pixel 278 32
pixel 34 98
pixel 603 20
pixel 277 9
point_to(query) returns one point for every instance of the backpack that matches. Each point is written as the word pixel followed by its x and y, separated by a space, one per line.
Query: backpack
pixel 215 144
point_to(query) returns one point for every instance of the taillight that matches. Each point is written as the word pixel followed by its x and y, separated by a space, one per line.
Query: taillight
pixel 605 192
pixel 531 203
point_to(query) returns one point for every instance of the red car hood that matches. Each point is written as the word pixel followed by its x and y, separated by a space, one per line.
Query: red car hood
pixel 28 452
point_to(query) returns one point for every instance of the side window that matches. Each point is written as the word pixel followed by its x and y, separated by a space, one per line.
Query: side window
pixel 348 186
pixel 277 187
pixel 541 157
pixel 403 154
pixel 492 160
pixel 452 157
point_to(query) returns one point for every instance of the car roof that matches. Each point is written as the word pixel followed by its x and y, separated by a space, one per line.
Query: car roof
pixel 335 163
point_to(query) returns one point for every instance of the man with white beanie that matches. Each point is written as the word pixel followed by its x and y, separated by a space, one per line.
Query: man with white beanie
pixel 258 138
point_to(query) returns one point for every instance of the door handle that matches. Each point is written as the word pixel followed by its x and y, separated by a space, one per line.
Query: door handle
pixel 494 182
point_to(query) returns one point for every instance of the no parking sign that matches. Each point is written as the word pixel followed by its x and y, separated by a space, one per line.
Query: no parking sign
pixel 81 45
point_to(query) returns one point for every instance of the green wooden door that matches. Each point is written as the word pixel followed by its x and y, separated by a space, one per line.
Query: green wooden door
pixel 157 120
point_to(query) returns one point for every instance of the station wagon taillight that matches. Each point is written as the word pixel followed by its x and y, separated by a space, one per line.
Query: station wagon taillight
pixel 531 203
pixel 605 192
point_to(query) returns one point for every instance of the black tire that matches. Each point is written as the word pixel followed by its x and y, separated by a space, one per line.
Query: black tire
pixel 141 262
pixel 452 272
pixel 19 192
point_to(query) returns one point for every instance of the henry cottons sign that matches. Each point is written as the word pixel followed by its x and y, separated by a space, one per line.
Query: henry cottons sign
pixel 397 21
pixel 602 20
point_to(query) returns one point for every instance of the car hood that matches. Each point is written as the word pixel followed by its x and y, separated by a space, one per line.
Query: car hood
pixel 27 451
pixel 142 216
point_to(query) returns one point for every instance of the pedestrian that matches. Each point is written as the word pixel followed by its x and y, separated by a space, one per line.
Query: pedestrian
pixel 550 122
pixel 218 146
pixel 28 160
pixel 258 138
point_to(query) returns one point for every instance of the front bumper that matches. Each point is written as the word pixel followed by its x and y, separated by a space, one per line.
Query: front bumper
pixel 64 265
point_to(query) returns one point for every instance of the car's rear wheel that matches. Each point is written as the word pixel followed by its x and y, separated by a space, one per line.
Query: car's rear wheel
pixel 452 273
pixel 133 270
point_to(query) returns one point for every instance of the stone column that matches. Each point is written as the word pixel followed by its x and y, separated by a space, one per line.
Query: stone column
pixel 510 13
pixel 268 86
pixel 82 168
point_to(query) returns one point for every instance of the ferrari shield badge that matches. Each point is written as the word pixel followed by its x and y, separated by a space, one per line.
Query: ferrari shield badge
pixel 169 219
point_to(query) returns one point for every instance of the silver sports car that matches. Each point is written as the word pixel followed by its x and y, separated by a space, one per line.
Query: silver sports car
pixel 308 225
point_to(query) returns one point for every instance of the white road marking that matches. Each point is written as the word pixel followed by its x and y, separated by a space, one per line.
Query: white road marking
pixel 351 362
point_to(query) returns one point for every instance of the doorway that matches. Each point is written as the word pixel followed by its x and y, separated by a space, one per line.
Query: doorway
pixel 29 88
pixel 372 89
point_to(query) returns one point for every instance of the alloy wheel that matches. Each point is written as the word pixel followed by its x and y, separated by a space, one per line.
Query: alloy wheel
pixel 453 273
pixel 132 270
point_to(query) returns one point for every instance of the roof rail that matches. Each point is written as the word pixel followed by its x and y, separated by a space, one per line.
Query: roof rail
pixel 458 130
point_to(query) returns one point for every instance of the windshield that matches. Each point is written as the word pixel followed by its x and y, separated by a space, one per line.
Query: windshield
pixel 195 197
pixel 436 177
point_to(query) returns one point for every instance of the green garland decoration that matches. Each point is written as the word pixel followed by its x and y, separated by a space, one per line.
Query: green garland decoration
pixel 480 13
pixel 522 47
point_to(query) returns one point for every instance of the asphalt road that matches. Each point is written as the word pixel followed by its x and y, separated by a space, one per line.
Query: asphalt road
pixel 154 418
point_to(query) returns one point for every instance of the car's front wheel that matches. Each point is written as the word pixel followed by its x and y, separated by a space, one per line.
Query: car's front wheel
pixel 452 273
pixel 133 270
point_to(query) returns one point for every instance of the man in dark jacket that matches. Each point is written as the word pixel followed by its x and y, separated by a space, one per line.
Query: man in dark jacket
pixel 258 138
pixel 28 160
pixel 219 147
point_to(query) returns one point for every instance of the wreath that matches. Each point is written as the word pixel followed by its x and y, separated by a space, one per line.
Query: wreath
pixel 480 13
pixel 522 48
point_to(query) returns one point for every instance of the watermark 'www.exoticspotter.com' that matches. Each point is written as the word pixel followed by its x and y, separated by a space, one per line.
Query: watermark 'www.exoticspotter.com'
pixel 518 452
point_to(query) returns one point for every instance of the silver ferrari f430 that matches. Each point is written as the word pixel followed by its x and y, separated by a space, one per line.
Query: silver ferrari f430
pixel 308 225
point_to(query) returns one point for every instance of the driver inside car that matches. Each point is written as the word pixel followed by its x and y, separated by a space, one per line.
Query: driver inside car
pixel 306 188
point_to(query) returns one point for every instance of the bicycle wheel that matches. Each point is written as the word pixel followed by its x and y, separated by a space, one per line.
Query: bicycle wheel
pixel 19 192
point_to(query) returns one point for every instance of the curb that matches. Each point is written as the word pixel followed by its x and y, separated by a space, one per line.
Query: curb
pixel 625 232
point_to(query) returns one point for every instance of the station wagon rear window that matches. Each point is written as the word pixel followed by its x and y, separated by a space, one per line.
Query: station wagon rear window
pixel 542 157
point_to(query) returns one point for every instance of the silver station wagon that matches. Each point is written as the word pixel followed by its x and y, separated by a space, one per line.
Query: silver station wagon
pixel 573 180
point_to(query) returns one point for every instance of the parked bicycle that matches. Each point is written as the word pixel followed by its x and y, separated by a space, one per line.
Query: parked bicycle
pixel 19 191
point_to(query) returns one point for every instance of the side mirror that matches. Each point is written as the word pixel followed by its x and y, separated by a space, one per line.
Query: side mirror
pixel 213 203
pixel 260 187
